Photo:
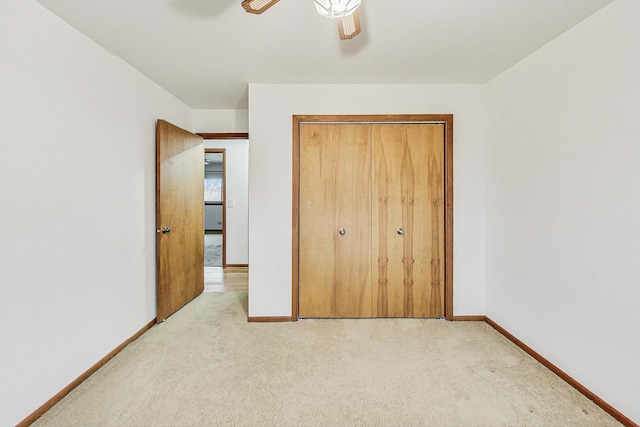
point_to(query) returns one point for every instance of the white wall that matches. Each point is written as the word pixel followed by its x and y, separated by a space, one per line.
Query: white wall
pixel 237 186
pixel 78 282
pixel 221 121
pixel 563 203
pixel 562 211
pixel 270 179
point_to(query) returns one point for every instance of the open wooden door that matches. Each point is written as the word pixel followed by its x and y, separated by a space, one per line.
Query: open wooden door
pixel 180 218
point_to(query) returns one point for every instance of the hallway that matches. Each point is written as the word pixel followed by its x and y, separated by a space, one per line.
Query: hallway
pixel 230 279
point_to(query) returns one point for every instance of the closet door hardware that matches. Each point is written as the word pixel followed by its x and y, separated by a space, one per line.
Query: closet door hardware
pixel 342 231
pixel 401 231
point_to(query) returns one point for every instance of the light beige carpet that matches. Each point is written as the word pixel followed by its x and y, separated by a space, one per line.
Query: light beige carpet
pixel 207 366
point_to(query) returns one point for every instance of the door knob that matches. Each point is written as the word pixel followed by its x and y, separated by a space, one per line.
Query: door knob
pixel 166 230
pixel 342 231
pixel 401 231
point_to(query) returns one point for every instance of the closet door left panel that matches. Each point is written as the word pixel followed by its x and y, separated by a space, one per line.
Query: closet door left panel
pixel 335 220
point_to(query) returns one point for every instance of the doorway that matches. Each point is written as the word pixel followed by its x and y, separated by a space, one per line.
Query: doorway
pixel 433 230
pixel 235 195
pixel 214 208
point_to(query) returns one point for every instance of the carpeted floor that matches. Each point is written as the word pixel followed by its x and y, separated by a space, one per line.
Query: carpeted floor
pixel 207 366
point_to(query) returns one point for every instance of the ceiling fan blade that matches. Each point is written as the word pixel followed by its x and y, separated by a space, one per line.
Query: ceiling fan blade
pixel 349 26
pixel 258 6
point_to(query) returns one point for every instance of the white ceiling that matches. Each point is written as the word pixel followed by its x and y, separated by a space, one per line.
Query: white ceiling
pixel 205 52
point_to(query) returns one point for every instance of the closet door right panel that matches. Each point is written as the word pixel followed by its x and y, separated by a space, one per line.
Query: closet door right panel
pixel 408 220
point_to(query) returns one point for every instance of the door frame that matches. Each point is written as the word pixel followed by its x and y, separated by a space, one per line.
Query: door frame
pixel 224 199
pixel 447 120
pixel 226 135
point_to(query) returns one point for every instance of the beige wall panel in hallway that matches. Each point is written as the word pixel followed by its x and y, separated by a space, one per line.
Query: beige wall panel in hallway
pixel 408 220
pixel 335 194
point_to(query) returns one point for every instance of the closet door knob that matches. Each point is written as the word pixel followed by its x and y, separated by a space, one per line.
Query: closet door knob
pixel 401 231
pixel 166 230
pixel 341 231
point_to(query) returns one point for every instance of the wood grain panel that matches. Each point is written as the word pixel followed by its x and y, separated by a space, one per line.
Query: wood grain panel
pixel 375 118
pixel 408 194
pixel 434 139
pixel 380 299
pixel 180 189
pixel 271 319
pixel 408 226
pixel 242 135
pixel 448 216
pixel 379 287
pixel 295 219
pixel 335 179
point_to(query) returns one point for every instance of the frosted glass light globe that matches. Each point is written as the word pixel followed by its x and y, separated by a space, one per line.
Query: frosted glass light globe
pixel 336 8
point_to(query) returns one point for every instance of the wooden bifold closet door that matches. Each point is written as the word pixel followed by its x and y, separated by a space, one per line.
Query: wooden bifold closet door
pixel 371 218
pixel 335 189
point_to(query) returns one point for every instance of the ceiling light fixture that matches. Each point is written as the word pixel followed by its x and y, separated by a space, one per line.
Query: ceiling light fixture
pixel 336 8
pixel 346 11
pixel 258 6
